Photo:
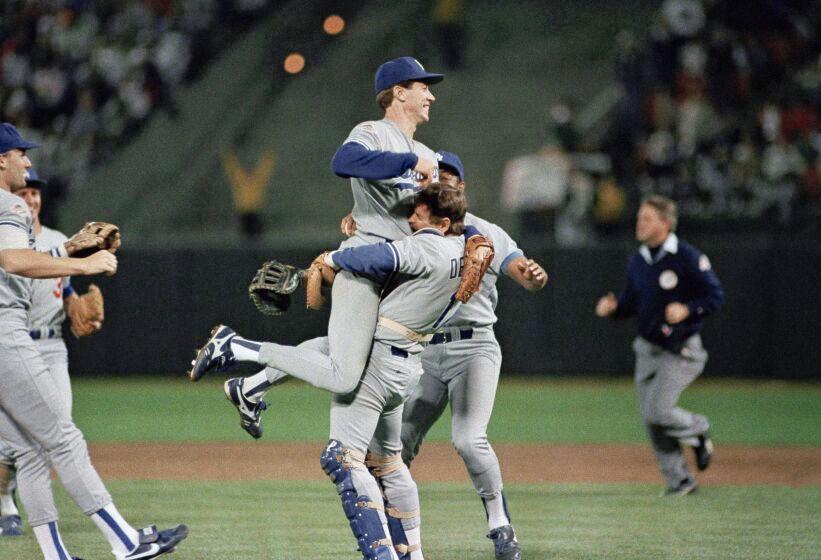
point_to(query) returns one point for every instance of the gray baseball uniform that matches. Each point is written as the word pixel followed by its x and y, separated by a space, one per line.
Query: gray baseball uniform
pixel 462 365
pixel 422 273
pixel 381 209
pixel 46 316
pixel 40 432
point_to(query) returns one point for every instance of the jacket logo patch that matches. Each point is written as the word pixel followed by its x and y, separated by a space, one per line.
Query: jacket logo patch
pixel 668 280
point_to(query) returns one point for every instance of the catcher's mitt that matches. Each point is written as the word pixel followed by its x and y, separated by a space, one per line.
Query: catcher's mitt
pixel 87 312
pixel 93 237
pixel 478 255
pixel 272 286
pixel 319 274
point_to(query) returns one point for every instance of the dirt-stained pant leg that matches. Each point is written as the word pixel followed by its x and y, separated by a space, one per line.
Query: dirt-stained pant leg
pixel 34 414
pixel 661 377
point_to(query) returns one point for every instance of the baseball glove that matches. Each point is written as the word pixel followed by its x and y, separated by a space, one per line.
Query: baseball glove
pixel 319 275
pixel 93 237
pixel 272 286
pixel 87 312
pixel 478 255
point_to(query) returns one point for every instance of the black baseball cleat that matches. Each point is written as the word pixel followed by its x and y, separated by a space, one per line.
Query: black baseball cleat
pixel 249 412
pixel 704 451
pixel 685 488
pixel 155 543
pixel 216 353
pixel 505 543
pixel 11 526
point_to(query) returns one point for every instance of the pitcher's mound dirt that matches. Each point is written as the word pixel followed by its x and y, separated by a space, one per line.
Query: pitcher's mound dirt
pixel 792 466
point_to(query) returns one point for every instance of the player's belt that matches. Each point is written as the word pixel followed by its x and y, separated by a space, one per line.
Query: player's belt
pixel 450 336
pixel 46 332
pixel 402 330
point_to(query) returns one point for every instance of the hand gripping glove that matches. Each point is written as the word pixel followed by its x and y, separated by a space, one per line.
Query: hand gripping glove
pixel 318 276
pixel 272 286
pixel 87 312
pixel 478 255
pixel 93 237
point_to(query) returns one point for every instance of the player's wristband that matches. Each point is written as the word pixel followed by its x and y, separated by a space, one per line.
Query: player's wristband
pixel 329 260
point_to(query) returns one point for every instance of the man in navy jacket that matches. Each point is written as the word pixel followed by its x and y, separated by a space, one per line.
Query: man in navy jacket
pixel 671 288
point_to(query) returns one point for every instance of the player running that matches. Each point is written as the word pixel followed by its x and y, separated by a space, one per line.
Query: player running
pixel 32 421
pixel 671 288
pixel 428 262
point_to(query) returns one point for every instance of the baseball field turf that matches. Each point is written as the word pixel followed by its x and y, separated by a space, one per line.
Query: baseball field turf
pixel 580 478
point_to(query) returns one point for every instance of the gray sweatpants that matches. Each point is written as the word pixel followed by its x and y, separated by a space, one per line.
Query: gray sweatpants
pixel 371 420
pixel 661 376
pixel 466 373
pixel 354 310
pixel 35 421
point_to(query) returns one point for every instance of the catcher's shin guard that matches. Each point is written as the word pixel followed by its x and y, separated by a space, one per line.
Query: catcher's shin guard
pixel 362 512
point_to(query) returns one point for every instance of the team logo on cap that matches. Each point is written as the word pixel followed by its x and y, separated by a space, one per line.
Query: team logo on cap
pixel 668 280
pixel 439 156
pixel 704 263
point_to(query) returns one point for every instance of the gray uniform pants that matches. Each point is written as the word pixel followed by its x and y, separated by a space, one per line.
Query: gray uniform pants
pixel 371 420
pixel 351 327
pixel 466 373
pixel 661 377
pixel 35 421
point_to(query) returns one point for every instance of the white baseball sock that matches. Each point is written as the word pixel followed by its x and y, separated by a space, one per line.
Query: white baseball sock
pixel 122 537
pixel 255 386
pixel 414 536
pixel 245 350
pixel 51 544
pixel 7 505
pixel 496 514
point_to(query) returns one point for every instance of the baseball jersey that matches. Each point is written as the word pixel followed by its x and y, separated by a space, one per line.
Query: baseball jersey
pixel 15 233
pixel 47 293
pixel 382 207
pixel 480 310
pixel 677 273
pixel 422 273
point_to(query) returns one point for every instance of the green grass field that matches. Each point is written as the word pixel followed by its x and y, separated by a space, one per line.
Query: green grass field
pixel 285 520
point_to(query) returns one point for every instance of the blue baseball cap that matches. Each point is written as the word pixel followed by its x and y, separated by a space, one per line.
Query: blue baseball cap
pixel 401 70
pixel 10 139
pixel 34 180
pixel 451 160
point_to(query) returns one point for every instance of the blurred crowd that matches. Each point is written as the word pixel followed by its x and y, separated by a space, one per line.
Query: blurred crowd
pixel 719 109
pixel 81 76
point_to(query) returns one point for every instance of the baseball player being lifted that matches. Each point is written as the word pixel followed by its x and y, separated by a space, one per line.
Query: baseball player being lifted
pixel 386 167
pixel 421 273
pixel 671 288
pixel 50 300
pixel 34 421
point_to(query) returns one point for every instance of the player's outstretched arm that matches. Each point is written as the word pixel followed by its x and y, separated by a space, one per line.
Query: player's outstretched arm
pixel 527 273
pixel 31 264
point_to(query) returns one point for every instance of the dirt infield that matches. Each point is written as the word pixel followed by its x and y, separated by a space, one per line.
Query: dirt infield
pixel 790 466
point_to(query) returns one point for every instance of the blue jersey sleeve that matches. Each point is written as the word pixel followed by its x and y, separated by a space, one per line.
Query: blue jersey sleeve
pixel 710 294
pixel 355 160
pixel 379 260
